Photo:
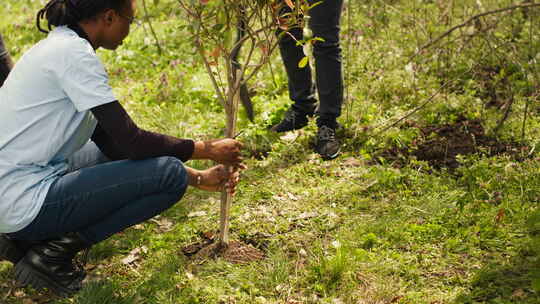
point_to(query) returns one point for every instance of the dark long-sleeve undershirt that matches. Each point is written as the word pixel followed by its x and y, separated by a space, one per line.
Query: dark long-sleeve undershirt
pixel 118 137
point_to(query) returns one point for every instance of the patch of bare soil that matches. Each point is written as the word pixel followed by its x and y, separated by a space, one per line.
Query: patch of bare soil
pixel 236 252
pixel 440 145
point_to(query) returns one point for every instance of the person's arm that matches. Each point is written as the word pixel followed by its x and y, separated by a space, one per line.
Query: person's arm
pixel 119 137
pixel 214 179
pixel 107 145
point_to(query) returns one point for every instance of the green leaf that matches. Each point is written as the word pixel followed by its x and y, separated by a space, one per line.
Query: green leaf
pixel 302 64
pixel 314 4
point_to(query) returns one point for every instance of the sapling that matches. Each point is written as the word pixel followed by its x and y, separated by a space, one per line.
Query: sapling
pixel 212 24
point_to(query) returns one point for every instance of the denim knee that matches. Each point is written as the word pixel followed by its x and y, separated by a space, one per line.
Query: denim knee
pixel 329 42
pixel 174 177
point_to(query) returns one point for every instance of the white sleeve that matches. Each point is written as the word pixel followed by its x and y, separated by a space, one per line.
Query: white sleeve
pixel 85 81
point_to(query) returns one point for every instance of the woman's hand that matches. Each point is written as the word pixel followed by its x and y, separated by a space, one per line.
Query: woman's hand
pixel 218 178
pixel 224 151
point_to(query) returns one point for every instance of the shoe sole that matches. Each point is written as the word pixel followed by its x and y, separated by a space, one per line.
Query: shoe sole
pixel 333 156
pixel 9 252
pixel 26 275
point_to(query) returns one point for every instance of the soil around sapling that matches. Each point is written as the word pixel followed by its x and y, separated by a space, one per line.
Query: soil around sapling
pixel 236 252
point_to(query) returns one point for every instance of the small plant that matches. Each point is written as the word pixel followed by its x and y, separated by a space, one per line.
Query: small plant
pixel 212 27
pixel 331 270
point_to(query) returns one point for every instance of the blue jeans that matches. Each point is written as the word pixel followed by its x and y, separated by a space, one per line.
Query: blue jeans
pixel 325 23
pixel 98 198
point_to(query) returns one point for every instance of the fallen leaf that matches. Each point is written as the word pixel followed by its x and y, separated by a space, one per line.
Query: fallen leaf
pixel 500 215
pixel 292 196
pixel 307 215
pixel 129 259
pixel 138 227
pixel 290 137
pixel 352 162
pixel 164 224
pixel 134 255
pixel 197 214
pixel 518 293
pixel 209 235
pixel 278 197
pixel 332 215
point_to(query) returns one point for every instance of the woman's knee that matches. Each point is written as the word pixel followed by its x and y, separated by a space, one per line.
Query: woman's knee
pixel 329 46
pixel 174 177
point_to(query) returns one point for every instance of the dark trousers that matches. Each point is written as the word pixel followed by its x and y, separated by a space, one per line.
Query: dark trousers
pixel 5 61
pixel 99 198
pixel 325 23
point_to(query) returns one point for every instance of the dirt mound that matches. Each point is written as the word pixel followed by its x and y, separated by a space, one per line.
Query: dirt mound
pixel 236 252
pixel 440 145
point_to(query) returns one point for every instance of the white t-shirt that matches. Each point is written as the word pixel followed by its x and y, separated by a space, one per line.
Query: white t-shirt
pixel 45 118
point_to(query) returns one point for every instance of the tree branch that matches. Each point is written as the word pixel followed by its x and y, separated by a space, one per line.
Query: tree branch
pixel 471 19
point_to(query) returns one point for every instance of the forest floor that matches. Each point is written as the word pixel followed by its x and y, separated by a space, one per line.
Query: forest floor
pixel 440 208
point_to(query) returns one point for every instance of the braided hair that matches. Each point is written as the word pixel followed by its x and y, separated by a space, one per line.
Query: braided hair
pixel 70 12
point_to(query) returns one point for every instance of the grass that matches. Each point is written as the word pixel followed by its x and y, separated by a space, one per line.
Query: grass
pixel 357 229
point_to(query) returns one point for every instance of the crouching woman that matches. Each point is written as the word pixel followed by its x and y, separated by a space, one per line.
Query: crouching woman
pixel 74 168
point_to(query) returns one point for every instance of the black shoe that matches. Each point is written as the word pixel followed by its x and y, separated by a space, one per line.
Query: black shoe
pixel 50 265
pixel 293 120
pixel 327 144
pixel 13 250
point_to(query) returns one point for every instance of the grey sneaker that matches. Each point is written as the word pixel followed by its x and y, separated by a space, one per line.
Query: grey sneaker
pixel 327 145
pixel 293 120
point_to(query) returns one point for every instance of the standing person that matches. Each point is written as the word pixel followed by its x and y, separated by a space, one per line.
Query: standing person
pixel 325 23
pixel 5 62
pixel 61 193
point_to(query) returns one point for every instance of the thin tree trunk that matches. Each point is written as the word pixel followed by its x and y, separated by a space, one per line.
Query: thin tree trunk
pixel 231 111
